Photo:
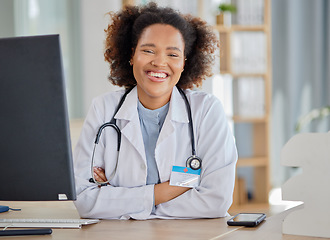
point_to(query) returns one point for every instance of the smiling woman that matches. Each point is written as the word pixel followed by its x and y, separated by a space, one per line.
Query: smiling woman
pixel 172 154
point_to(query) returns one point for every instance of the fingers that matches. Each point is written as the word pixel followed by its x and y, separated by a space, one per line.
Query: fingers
pixel 99 174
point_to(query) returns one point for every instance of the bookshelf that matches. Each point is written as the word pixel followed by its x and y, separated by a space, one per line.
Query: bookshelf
pixel 245 55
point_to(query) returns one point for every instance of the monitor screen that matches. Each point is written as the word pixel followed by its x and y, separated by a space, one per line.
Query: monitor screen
pixel 35 148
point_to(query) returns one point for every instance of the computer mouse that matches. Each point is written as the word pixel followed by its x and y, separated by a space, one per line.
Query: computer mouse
pixel 4 208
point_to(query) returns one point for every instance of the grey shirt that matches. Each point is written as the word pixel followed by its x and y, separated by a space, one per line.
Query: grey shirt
pixel 151 122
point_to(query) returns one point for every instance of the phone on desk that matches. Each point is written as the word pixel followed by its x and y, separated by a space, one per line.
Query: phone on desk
pixel 246 219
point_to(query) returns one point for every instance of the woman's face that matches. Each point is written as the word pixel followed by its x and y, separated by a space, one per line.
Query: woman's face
pixel 158 62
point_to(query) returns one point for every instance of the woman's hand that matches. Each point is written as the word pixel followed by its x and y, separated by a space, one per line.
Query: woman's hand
pixel 164 192
pixel 99 174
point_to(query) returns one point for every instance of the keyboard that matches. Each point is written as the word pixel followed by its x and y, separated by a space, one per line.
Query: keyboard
pixel 46 223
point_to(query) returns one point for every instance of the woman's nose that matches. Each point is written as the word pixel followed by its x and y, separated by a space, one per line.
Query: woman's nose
pixel 159 61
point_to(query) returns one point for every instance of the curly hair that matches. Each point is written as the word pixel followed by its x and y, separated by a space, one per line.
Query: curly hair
pixel 127 26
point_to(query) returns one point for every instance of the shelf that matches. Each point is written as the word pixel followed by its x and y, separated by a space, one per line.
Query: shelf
pixel 233 28
pixel 252 162
pixel 239 75
pixel 242 62
pixel 239 119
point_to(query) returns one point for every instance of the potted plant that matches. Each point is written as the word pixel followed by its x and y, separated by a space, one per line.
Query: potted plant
pixel 225 11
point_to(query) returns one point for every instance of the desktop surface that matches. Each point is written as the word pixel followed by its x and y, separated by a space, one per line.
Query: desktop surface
pixel 116 229
pixel 270 229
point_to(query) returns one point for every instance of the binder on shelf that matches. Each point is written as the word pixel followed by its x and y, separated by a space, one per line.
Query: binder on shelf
pixel 248 52
pixel 249 97
pixel 249 12
pixel 222 86
pixel 242 191
pixel 223 90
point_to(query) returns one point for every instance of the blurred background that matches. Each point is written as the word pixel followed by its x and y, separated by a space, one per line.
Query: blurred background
pixel 272 71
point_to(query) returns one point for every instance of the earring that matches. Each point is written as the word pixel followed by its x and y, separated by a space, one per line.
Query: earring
pixel 130 62
pixel 183 68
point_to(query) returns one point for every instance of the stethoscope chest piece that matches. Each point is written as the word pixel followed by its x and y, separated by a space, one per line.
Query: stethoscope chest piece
pixel 194 162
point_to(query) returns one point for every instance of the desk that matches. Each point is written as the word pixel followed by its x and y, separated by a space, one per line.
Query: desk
pixel 150 229
pixel 115 229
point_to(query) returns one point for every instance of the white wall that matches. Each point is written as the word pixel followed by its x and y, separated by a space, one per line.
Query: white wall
pixel 94 69
pixel 7 21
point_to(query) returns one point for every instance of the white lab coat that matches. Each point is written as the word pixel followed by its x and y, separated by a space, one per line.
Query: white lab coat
pixel 128 196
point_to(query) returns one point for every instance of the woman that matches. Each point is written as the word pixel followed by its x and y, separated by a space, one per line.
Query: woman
pixel 154 52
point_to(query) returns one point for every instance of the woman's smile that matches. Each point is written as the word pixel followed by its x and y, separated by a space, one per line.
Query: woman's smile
pixel 157 76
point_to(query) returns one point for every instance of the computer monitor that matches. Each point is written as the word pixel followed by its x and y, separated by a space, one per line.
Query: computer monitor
pixel 35 148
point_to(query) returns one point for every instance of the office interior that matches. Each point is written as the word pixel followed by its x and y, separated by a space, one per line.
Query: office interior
pixel 299 60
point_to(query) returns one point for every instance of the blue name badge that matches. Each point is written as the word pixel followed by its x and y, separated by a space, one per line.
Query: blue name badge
pixel 185 177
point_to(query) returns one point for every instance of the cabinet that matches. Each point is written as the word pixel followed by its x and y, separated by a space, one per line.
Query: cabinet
pixel 245 56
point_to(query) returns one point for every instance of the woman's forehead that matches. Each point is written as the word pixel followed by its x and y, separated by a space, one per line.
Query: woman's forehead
pixel 158 34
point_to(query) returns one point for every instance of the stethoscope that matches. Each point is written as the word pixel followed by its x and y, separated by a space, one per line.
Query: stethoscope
pixel 194 162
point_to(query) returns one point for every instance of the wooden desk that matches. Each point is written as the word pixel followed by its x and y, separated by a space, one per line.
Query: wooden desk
pixel 116 229
pixel 212 229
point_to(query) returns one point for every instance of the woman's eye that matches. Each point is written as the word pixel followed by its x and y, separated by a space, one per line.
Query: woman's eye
pixel 148 51
pixel 173 55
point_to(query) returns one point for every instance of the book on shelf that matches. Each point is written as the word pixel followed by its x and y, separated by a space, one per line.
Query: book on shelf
pixel 222 87
pixel 248 52
pixel 249 97
pixel 249 12
pixel 240 195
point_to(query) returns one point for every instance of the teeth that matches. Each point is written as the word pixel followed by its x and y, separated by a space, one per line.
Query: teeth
pixel 158 75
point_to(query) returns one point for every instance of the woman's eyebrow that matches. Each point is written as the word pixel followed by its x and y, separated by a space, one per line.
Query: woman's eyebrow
pixel 153 45
pixel 148 45
pixel 174 48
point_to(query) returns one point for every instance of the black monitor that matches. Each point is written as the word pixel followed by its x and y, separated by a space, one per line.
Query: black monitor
pixel 35 147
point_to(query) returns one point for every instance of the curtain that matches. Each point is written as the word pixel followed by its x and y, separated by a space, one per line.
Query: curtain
pixel 301 75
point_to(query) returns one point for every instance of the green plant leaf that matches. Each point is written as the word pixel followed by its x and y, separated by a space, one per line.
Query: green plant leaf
pixel 226 7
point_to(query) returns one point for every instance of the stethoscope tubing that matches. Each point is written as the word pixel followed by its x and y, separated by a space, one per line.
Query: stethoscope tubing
pixel 192 136
pixel 113 124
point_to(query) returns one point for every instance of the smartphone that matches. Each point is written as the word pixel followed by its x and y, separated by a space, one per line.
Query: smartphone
pixel 246 219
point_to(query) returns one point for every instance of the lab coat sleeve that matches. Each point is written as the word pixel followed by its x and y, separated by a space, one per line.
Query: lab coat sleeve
pixel 215 145
pixel 107 202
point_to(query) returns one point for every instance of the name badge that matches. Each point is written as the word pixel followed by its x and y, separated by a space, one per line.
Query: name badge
pixel 185 177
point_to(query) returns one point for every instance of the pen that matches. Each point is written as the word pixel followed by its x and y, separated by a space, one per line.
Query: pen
pixel 41 231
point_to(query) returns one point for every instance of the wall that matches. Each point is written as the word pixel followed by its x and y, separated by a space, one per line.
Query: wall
pixel 7 22
pixel 94 69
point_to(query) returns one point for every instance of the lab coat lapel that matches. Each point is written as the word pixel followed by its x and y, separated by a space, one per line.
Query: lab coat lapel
pixel 177 114
pixel 129 122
